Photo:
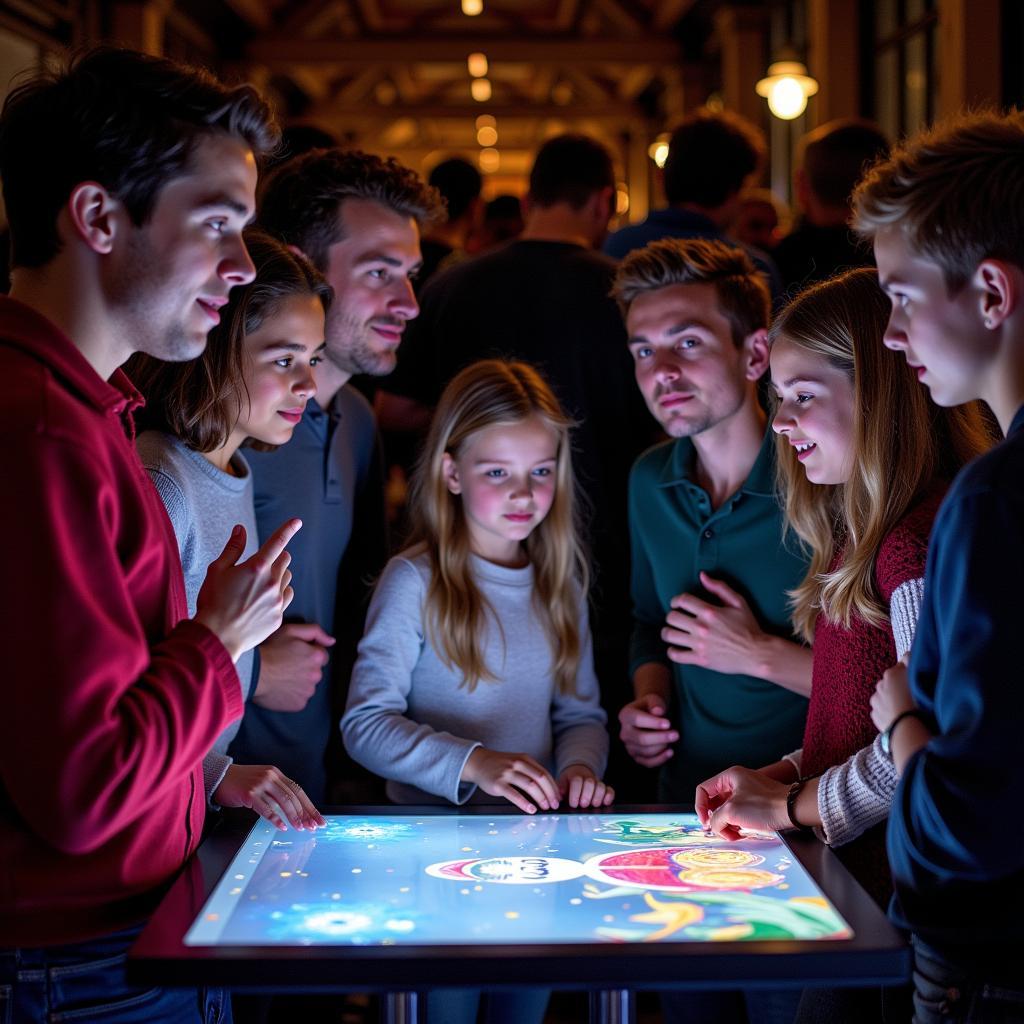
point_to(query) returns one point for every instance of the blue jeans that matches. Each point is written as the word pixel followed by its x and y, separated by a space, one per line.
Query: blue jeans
pixel 948 993
pixel 86 982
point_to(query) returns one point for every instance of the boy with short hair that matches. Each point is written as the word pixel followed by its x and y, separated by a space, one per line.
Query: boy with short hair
pixel 947 223
pixel 127 182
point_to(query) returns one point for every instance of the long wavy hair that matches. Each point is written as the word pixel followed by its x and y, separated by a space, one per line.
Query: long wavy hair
pixel 487 394
pixel 903 445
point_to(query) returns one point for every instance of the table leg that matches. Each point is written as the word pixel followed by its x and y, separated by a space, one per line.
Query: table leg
pixel 613 1006
pixel 402 1008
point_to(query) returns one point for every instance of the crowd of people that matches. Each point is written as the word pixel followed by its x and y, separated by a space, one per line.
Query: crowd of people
pixel 766 522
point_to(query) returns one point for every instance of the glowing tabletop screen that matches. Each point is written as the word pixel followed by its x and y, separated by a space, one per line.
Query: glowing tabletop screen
pixel 512 879
pixel 398 899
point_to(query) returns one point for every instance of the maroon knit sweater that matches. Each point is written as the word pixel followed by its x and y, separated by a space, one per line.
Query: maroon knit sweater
pixel 847 665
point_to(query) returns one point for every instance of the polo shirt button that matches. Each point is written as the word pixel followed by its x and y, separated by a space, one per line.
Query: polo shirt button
pixel 708 534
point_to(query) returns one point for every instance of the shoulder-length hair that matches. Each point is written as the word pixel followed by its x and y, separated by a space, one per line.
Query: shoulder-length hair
pixel 199 401
pixel 487 394
pixel 903 444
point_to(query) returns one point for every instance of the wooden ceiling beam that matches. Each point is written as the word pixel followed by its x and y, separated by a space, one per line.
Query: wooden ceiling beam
pixel 668 13
pixel 279 52
pixel 365 113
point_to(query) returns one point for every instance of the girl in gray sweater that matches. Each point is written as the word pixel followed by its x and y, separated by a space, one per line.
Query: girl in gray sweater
pixel 475 678
pixel 251 383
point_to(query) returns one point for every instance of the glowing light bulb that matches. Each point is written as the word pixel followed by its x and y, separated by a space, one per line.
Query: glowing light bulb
pixel 472 7
pixel 490 160
pixel 487 136
pixel 486 121
pixel 480 89
pixel 477 64
pixel 786 88
pixel 658 152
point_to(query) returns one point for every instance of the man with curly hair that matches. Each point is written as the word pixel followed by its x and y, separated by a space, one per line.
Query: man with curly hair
pixel 358 218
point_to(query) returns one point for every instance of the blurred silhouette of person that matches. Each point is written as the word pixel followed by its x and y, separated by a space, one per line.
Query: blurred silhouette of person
pixel 459 182
pixel 830 161
pixel 762 219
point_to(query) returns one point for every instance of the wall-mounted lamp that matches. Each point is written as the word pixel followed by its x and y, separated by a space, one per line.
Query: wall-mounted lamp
pixel 658 150
pixel 786 88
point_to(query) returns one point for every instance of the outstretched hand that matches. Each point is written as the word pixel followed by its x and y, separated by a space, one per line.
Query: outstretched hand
pixel 264 788
pixel 517 777
pixel 725 638
pixel 242 603
pixel 742 798
pixel 584 788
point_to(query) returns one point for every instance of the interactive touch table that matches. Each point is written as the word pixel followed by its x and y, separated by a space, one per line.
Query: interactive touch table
pixel 406 899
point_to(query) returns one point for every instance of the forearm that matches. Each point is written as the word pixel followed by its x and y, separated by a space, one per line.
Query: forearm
pixel 909 736
pixel 655 679
pixel 855 795
pixel 783 662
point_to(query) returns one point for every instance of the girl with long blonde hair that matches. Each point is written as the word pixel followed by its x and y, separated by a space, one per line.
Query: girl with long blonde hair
pixel 475 678
pixel 864 459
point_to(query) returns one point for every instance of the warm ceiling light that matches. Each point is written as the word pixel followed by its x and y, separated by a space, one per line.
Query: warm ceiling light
pixel 481 89
pixel 487 136
pixel 477 63
pixel 486 121
pixel 621 199
pixel 490 160
pixel 658 152
pixel 472 7
pixel 786 88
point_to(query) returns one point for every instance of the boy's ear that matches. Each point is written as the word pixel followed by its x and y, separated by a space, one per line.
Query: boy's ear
pixel 94 215
pixel 1001 286
pixel 450 472
pixel 756 351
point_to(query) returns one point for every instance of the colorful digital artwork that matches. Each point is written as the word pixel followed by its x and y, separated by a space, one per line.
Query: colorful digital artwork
pixel 507 879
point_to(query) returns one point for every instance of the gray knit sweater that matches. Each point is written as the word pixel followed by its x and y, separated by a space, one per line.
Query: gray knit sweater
pixel 410 721
pixel 203 504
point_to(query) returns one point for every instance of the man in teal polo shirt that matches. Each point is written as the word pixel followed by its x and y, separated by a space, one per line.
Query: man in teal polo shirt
pixel 717 676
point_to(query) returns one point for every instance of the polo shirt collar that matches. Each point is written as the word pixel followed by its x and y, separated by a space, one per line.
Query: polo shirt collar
pixel 24 328
pixel 760 480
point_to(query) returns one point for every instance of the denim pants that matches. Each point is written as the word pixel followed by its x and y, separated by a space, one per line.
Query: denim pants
pixel 86 982
pixel 948 993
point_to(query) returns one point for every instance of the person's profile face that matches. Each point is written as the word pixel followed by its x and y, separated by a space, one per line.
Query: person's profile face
pixel 371 270
pixel 688 367
pixel 169 277
pixel 942 337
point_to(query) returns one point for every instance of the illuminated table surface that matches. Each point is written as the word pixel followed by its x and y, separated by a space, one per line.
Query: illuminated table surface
pixel 405 899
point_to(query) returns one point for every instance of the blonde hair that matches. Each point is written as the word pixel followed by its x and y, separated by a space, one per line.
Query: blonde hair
pixel 488 394
pixel 956 191
pixel 902 444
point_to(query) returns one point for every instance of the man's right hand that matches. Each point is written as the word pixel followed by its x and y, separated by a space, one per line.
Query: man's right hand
pixel 645 731
pixel 242 603
pixel 292 662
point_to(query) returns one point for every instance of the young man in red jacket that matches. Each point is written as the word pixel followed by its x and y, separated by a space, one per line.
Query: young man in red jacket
pixel 127 182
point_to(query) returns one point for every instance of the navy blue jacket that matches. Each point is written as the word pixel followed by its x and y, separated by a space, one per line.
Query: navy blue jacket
pixel 956 830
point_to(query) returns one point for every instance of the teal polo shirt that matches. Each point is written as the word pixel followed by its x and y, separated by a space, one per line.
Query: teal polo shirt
pixel 675 534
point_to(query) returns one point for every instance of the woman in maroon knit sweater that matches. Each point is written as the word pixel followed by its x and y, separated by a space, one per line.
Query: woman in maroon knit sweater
pixel 864 458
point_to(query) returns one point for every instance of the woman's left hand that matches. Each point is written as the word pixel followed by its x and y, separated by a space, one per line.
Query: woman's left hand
pixel 583 788
pixel 891 697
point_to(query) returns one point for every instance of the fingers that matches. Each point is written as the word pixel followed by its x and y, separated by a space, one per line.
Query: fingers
pixel 649 738
pixel 274 547
pixel 722 591
pixel 513 795
pixel 642 721
pixel 310 632
pixel 529 777
pixel 648 760
pixel 689 604
pixel 720 824
pixel 233 549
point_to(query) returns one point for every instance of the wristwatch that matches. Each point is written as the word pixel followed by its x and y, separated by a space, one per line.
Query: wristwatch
pixel 887 735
